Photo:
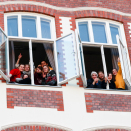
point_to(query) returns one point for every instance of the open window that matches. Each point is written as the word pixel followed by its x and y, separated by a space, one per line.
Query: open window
pixel 3 54
pixel 66 58
pixel 125 64
pixel 101 48
pixel 81 62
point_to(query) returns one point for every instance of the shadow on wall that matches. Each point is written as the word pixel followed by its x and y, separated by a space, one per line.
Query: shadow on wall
pixel 109 128
pixel 34 127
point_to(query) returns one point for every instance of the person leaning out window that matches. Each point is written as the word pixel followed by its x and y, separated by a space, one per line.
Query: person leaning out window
pixel 93 82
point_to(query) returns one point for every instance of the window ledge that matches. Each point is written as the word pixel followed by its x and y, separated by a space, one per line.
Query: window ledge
pixel 34 85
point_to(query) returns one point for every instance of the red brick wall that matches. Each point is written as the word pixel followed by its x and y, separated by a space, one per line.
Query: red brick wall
pixel 120 5
pixel 35 98
pixel 107 102
pixel 32 128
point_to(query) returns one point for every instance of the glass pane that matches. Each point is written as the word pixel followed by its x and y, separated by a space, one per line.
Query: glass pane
pixel 3 53
pixel 99 32
pixel 28 26
pixel 12 25
pixel 45 29
pixel 114 32
pixel 83 29
pixel 66 58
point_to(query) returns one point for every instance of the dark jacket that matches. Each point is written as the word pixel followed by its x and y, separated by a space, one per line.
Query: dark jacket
pixel 90 85
pixel 50 78
pixel 111 84
pixel 37 78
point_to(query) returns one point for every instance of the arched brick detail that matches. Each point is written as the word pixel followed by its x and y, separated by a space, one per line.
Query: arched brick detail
pixel 109 128
pixel 34 127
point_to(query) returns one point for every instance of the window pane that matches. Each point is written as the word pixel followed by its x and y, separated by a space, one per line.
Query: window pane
pixel 114 32
pixel 28 26
pixel 83 29
pixel 99 32
pixel 12 25
pixel 66 58
pixel 45 29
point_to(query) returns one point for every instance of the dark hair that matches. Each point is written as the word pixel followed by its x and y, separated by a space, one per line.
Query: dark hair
pixel 109 73
pixel 101 72
pixel 44 61
pixel 115 69
pixel 23 75
pixel 40 67
pixel 21 64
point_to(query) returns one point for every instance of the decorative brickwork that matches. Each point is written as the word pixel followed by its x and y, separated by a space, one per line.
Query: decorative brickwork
pixel 114 129
pixel 34 98
pixel 107 102
pixel 109 129
pixel 119 5
pixel 33 128
pixel 80 82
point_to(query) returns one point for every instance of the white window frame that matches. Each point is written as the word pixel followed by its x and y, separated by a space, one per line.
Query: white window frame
pixel 30 39
pixel 38 24
pixel 109 43
pixel 39 39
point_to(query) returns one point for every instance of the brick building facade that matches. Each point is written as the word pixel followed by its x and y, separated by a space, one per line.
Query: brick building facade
pixel 69 106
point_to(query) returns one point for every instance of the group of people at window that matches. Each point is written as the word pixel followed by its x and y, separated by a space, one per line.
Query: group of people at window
pixel 114 78
pixel 43 74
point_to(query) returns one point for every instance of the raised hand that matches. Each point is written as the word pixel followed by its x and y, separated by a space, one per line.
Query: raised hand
pixel 20 56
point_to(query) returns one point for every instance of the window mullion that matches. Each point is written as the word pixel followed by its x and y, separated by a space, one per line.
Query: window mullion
pixel 90 31
pixel 31 62
pixel 108 32
pixel 19 26
pixel 104 62
pixel 38 27
pixel 7 56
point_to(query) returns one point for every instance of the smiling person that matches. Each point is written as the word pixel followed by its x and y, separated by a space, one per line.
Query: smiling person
pixel 49 76
pixel 93 82
pixel 119 82
pixel 16 73
pixel 27 70
pixel 43 63
pixel 110 81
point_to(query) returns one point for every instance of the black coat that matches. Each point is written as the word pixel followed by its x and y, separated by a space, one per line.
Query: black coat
pixel 111 85
pixel 90 85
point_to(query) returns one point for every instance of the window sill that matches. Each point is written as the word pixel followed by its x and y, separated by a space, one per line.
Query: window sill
pixel 107 91
pixel 34 85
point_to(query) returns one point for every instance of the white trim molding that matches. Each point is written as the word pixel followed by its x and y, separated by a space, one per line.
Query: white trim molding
pixel 64 8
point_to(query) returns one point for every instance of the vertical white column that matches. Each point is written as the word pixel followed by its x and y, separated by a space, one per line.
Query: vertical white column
pixel 19 25
pixel 91 36
pixel 31 62
pixel 104 63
